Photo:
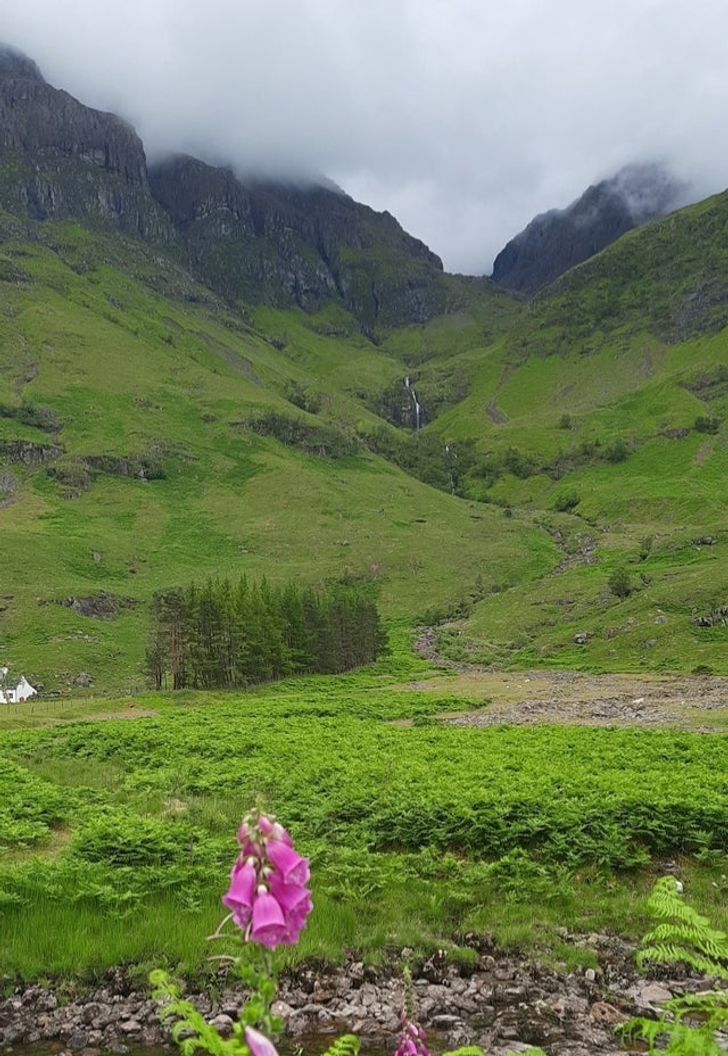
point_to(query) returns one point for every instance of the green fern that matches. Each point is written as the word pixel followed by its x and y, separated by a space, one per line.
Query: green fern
pixel 670 1033
pixel 684 936
pixel 687 1026
pixel 191 1032
pixel 346 1045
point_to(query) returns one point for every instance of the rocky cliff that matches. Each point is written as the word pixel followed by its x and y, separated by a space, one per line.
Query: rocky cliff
pixel 60 159
pixel 302 245
pixel 250 240
pixel 556 241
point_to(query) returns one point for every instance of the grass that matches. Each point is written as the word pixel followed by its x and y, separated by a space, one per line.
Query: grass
pixel 119 833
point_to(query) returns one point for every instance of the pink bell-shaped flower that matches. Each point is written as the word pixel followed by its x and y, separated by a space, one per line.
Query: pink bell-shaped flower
pixel 292 867
pixel 269 926
pixel 274 830
pixel 258 1044
pixel 241 894
pixel 289 896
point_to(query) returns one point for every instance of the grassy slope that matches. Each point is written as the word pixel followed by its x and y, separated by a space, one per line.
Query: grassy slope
pixel 136 359
pixel 615 345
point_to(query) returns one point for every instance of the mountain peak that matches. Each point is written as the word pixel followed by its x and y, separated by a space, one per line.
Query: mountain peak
pixel 15 65
pixel 558 240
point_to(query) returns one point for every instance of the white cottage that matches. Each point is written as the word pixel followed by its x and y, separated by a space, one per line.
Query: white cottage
pixel 14 691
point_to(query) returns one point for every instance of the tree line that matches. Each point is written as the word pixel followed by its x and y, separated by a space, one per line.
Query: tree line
pixel 224 634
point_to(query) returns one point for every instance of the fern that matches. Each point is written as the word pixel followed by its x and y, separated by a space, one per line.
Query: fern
pixel 346 1045
pixel 684 1039
pixel 684 936
pixel 687 1026
pixel 191 1032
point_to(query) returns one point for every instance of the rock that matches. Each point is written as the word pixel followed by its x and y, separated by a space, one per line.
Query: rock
pixel 130 1026
pixel 223 1023
pixel 368 995
pixel 25 451
pixel 446 1022
pixel 83 681
pixel 653 994
pixel 582 638
pixel 77 1041
pixel 590 975
pixel 602 1012
pixel 101 606
pixel 313 240
pixel 322 993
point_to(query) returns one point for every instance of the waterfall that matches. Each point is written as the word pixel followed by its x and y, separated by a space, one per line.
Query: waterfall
pixel 415 402
pixel 451 457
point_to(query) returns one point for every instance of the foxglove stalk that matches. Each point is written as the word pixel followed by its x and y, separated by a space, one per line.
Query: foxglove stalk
pixel 412 1041
pixel 268 896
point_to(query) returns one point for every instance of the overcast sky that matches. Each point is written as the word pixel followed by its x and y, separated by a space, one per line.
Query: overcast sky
pixel 464 118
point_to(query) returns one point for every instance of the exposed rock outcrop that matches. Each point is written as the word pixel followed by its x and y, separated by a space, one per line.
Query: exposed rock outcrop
pixel 298 244
pixel 557 240
pixel 101 606
pixel 27 452
pixel 503 1003
pixel 62 159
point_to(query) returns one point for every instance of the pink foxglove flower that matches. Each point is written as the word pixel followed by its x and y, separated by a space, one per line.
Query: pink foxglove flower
pixel 412 1040
pixel 258 1044
pixel 241 894
pixel 268 895
pixel 269 925
pixel 292 867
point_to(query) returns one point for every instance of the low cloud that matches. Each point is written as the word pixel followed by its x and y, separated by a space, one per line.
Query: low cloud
pixel 464 118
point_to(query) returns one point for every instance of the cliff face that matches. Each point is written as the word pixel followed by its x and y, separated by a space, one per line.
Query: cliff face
pixel 302 245
pixel 60 159
pixel 556 241
pixel 251 241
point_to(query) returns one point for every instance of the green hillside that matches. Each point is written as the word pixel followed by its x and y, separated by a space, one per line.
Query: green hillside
pixel 607 400
pixel 115 364
pixel 151 434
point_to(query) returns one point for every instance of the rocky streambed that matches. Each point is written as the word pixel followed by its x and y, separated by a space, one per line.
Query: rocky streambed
pixel 502 1002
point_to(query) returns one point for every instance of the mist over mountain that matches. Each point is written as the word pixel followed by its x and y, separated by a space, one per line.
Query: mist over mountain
pixel 557 240
pixel 419 109
pixel 284 242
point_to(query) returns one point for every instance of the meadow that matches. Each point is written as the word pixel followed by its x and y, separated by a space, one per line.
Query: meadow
pixel 118 821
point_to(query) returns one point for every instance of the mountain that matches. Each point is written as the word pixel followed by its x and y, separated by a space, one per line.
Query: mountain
pixel 205 375
pixel 303 246
pixel 557 240
pixel 61 159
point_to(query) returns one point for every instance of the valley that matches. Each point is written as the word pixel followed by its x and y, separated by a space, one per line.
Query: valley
pixel 215 385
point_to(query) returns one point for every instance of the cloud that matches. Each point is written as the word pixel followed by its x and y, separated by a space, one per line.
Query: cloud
pixel 464 118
